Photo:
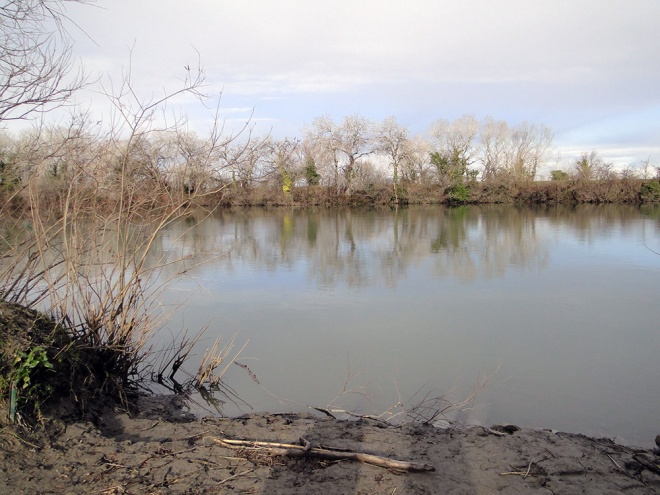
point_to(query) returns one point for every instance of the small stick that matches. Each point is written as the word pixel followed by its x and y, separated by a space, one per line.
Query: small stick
pixel 615 463
pixel 524 474
pixel 326 412
pixel 235 476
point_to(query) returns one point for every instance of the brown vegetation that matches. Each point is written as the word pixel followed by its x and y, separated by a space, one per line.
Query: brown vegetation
pixel 615 190
pixel 83 202
pixel 81 208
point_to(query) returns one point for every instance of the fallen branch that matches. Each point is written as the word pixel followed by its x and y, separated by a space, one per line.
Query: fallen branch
pixel 645 461
pixel 332 412
pixel 291 450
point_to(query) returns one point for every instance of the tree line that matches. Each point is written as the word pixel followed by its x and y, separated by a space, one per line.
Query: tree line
pixel 345 158
pixel 135 152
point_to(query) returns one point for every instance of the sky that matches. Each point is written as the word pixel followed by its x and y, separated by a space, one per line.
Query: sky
pixel 588 69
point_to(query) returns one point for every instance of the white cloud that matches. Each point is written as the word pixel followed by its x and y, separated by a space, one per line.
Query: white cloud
pixel 577 66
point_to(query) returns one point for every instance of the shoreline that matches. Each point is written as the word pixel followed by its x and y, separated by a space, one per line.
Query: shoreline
pixel 162 449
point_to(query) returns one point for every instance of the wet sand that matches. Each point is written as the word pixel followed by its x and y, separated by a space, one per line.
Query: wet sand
pixel 162 450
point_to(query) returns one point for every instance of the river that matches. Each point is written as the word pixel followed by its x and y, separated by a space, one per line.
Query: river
pixel 552 314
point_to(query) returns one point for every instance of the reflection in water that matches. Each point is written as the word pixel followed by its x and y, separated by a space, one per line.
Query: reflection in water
pixel 389 303
pixel 363 248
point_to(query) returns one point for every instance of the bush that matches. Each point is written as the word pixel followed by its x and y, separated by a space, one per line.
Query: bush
pixel 650 192
pixel 37 362
pixel 457 194
pixel 558 175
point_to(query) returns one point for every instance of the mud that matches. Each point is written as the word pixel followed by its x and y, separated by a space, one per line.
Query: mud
pixel 163 450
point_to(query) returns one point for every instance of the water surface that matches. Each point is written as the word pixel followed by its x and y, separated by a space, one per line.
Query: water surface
pixel 362 309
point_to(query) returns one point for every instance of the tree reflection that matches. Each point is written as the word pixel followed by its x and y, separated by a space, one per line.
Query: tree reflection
pixel 359 248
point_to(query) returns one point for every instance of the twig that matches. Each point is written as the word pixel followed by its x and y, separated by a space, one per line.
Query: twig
pixel 291 450
pixel 615 463
pixel 524 474
pixel 164 454
pixel 5 430
pixel 624 471
pixel 235 476
pixel 325 411
pixel 332 412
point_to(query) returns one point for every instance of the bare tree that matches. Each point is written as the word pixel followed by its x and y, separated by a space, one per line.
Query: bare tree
pixel 57 153
pixel 285 160
pixel 515 152
pixel 455 150
pixel 324 141
pixel 195 162
pixel 341 146
pixel 529 144
pixel 356 141
pixel 37 70
pixel 646 168
pixel 590 166
pixel 392 140
pixel 493 139
pixel 456 138
pixel 416 164
pixel 246 162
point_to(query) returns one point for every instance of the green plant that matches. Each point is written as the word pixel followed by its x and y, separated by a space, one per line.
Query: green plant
pixel 27 364
pixel 8 178
pixel 650 192
pixel 557 175
pixel 458 194
pixel 400 194
pixel 311 174
pixel 23 378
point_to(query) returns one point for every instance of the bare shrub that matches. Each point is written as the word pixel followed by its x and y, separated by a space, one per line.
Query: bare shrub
pixel 85 254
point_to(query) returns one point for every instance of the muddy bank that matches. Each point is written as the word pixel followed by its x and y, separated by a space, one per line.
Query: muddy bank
pixel 163 450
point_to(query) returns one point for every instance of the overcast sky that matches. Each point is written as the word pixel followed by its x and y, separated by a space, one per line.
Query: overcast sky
pixel 588 69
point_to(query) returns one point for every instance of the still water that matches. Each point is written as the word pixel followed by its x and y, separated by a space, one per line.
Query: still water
pixel 557 308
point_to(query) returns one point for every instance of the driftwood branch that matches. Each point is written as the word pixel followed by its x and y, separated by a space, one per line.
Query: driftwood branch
pixel 645 460
pixel 332 412
pixel 291 450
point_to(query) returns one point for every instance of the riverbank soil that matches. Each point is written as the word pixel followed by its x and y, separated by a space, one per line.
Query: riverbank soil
pixel 162 450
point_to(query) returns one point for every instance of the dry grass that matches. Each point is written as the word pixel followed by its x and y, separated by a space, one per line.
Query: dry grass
pixel 215 363
pixel 425 406
pixel 82 248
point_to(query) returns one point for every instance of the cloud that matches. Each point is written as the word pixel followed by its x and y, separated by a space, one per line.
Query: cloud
pixel 568 64
pixel 233 110
pixel 476 41
pixel 273 86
